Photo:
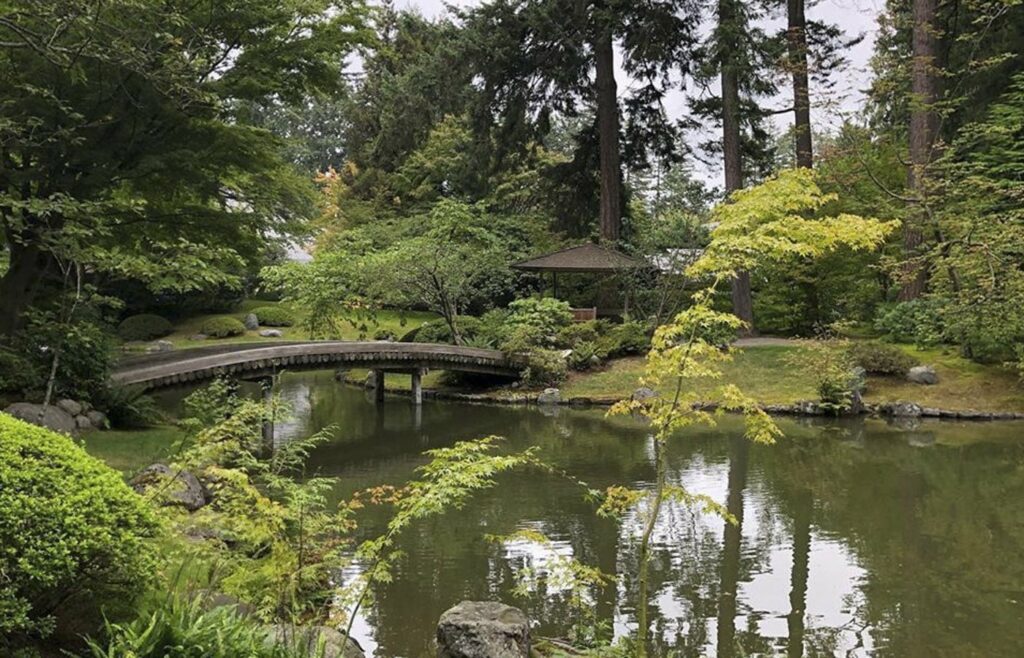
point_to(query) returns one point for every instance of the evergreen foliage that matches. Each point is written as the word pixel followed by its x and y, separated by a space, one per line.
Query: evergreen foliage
pixel 274 316
pixel 143 327
pixel 72 531
pixel 223 326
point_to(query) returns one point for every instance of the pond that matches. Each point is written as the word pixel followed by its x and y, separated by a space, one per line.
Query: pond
pixel 855 538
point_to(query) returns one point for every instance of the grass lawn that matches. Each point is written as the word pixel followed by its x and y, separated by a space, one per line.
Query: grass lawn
pixel 765 372
pixel 396 322
pixel 132 450
pixel 770 374
pixel 963 384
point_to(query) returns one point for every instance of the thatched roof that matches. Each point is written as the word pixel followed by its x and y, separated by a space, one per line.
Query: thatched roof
pixel 584 258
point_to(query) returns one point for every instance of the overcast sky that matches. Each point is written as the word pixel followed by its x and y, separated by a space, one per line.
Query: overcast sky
pixel 853 16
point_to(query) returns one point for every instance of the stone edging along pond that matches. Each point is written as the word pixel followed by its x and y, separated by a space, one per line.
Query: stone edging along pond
pixel 804 408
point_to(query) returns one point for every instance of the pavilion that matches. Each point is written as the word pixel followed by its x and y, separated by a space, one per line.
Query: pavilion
pixel 587 258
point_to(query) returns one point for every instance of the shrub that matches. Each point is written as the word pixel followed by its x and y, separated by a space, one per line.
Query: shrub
pixel 494 327
pixel 223 326
pixel 85 345
pixel 69 525
pixel 918 321
pixel 18 374
pixel 580 332
pixel 547 314
pixel 523 339
pixel 628 338
pixel 438 331
pixel 582 355
pixel 274 316
pixel 128 407
pixel 829 364
pixel 184 629
pixel 881 358
pixel 384 334
pixel 146 326
pixel 546 368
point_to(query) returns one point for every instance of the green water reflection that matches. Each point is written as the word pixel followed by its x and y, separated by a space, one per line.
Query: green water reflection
pixel 855 539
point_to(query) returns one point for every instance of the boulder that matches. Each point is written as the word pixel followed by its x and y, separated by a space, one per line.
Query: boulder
pixel 923 375
pixel 808 408
pixel 251 322
pixel 902 409
pixel 550 396
pixel 307 640
pixel 271 333
pixel 70 406
pixel 198 337
pixel 185 491
pixel 160 346
pixel 83 423
pixel 98 419
pixel 483 629
pixel 643 393
pixel 210 599
pixel 51 417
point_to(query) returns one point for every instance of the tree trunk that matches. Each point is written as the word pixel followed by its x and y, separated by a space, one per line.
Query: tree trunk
pixel 742 302
pixel 924 91
pixel 19 284
pixel 608 138
pixel 796 38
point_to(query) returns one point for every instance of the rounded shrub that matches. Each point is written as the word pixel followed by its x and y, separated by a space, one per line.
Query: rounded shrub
pixel 145 326
pixel 69 527
pixel 584 355
pixel 579 332
pixel 547 314
pixel 546 368
pixel 223 326
pixel 274 316
pixel 437 331
pixel 629 338
pixel 880 358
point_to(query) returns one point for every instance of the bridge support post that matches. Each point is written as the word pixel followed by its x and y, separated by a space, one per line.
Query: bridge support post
pixel 267 387
pixel 378 386
pixel 417 387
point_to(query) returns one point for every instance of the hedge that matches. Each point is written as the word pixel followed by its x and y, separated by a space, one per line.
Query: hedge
pixel 223 326
pixel 69 525
pixel 145 326
pixel 274 316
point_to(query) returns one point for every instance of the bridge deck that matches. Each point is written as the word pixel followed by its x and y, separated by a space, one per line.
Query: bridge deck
pixel 258 359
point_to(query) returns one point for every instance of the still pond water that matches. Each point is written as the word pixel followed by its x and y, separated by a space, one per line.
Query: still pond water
pixel 854 539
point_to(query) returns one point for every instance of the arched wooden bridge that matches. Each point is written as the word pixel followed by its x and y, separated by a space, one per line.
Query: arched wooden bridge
pixel 250 361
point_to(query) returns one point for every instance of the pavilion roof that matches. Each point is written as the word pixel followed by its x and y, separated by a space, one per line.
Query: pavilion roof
pixel 584 258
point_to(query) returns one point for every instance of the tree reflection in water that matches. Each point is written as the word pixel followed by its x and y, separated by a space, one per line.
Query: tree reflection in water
pixel 855 538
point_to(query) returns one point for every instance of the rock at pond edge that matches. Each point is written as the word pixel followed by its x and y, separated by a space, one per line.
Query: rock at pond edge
pixel 483 629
